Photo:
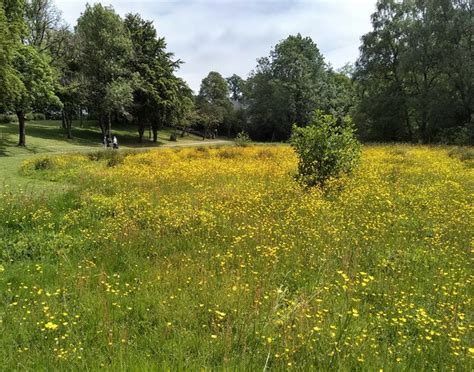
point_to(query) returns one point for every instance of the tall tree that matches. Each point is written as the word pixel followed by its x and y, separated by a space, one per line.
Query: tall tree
pixel 37 85
pixel 157 96
pixel 286 88
pixel 236 87
pixel 12 29
pixel 26 73
pixel 384 99
pixel 213 102
pixel 415 71
pixel 104 53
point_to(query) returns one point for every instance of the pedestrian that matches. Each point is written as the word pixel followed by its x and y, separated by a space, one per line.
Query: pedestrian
pixel 115 143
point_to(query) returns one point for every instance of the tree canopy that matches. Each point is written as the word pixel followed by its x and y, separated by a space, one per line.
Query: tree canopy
pixel 415 72
pixel 413 80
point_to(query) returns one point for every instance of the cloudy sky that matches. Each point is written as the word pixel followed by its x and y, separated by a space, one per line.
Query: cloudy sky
pixel 229 35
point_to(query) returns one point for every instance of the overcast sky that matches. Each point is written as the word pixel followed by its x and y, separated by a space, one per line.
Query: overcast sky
pixel 229 35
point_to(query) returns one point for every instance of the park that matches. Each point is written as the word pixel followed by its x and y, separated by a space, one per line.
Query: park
pixel 302 217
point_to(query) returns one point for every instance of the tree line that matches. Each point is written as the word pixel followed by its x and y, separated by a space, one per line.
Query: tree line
pixel 412 81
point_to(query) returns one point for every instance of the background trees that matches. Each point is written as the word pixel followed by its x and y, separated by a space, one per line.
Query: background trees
pixel 415 72
pixel 213 103
pixel 104 50
pixel 158 94
pixel 27 79
pixel 288 86
pixel 413 80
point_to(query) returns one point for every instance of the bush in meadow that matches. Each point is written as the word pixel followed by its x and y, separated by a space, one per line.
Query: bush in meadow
pixel 242 139
pixel 326 148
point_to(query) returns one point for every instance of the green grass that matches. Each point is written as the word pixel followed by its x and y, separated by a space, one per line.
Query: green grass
pixel 205 258
pixel 47 137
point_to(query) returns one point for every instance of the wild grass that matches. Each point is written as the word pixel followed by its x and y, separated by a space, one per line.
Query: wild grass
pixel 46 137
pixel 214 258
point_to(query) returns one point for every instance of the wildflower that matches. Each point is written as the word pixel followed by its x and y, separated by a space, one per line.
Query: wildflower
pixel 51 325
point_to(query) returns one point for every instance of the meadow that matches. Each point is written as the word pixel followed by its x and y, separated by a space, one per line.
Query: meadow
pixel 215 258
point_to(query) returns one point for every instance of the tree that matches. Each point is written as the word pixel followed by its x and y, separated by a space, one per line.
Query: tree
pixel 380 78
pixel 118 98
pixel 37 85
pixel 12 29
pixel 236 86
pixel 326 148
pixel 43 19
pixel 26 76
pixel 286 88
pixel 213 102
pixel 414 74
pixel 104 54
pixel 184 113
pixel 158 92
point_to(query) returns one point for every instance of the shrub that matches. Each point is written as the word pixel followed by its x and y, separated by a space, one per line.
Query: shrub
pixel 39 116
pixel 464 154
pixel 173 137
pixel 326 149
pixel 242 139
pixel 7 118
pixel 43 163
pixel 459 136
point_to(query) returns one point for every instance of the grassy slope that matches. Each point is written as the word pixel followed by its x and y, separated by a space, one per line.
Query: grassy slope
pixel 47 137
pixel 196 258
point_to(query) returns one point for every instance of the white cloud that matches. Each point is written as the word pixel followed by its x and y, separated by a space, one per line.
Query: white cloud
pixel 229 35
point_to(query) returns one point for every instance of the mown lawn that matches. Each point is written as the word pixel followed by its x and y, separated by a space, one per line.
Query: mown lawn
pixel 210 258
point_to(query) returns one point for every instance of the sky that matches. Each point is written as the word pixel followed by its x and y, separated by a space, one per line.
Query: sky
pixel 228 36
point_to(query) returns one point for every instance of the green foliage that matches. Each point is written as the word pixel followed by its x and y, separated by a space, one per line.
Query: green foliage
pixel 236 87
pixel 160 97
pixel 12 29
pixel 289 85
pixel 213 102
pixel 104 50
pixel 7 118
pixel 43 163
pixel 326 149
pixel 463 153
pixel 242 139
pixel 37 116
pixel 415 75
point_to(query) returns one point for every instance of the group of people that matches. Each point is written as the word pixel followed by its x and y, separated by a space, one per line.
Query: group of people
pixel 107 142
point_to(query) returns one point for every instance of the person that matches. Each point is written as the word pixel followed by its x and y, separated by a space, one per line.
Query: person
pixel 104 141
pixel 115 143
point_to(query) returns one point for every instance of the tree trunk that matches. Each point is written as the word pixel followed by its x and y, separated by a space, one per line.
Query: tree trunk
pixel 21 126
pixel 155 134
pixel 81 118
pixel 102 125
pixel 141 131
pixel 69 126
pixel 109 128
pixel 63 119
pixel 408 124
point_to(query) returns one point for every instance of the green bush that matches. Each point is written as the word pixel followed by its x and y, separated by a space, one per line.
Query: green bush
pixel 7 118
pixel 173 137
pixel 464 154
pixel 326 149
pixel 43 163
pixel 39 116
pixel 242 139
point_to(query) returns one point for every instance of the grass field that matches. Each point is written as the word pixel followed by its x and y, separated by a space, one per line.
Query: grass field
pixel 204 258
pixel 48 137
